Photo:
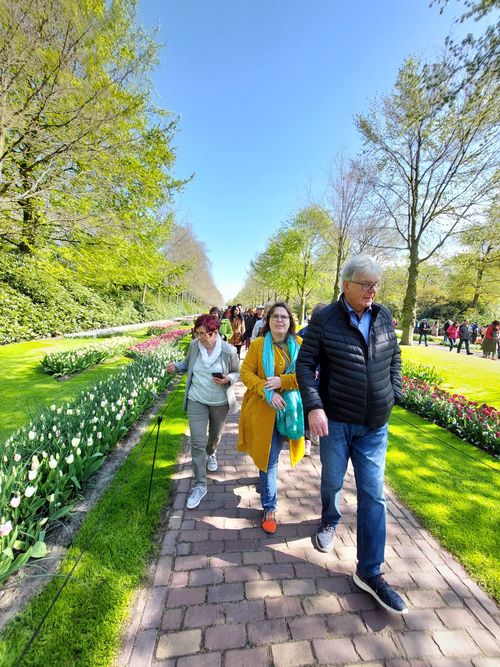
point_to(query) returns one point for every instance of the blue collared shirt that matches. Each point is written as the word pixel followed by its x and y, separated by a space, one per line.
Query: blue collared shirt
pixel 362 323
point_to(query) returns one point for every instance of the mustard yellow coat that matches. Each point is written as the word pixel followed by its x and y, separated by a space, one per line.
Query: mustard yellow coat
pixel 257 416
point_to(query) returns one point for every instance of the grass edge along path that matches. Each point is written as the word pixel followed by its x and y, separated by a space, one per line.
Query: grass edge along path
pixel 117 539
pixel 452 487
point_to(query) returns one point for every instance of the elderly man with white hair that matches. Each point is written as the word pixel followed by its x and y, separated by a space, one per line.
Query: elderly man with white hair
pixel 353 342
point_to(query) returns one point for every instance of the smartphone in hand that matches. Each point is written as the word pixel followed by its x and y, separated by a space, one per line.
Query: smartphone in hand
pixel 218 375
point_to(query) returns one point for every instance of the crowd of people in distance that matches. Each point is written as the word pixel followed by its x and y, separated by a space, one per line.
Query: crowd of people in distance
pixel 463 334
pixel 333 383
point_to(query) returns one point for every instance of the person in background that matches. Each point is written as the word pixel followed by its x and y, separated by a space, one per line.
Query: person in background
pixel 238 327
pixel 423 330
pixel 435 328
pixel 250 323
pixel 257 327
pixel 225 330
pixel 271 409
pixel 445 331
pixel 464 334
pixel 354 343
pixel 473 333
pixel 490 340
pixel 212 368
pixel 452 334
pixel 215 311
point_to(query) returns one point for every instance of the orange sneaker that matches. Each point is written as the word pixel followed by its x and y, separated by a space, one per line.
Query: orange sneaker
pixel 269 524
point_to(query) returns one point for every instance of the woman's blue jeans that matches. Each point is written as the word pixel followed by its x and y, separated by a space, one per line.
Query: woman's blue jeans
pixel 366 447
pixel 269 479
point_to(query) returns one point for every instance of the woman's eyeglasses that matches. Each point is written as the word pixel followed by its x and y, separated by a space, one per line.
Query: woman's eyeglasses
pixel 200 334
pixel 279 317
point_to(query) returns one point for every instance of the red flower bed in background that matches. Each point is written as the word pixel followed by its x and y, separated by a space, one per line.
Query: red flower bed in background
pixel 142 349
pixel 478 424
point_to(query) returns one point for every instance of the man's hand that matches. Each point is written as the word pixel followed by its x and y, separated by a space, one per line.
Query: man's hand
pixel 278 402
pixel 273 382
pixel 171 367
pixel 318 422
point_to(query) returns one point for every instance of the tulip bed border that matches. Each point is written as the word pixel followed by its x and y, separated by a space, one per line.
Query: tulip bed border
pixel 475 423
pixel 107 560
pixel 79 359
pixel 45 463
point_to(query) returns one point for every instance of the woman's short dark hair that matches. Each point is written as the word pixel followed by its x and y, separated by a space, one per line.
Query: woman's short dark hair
pixel 210 322
pixel 278 304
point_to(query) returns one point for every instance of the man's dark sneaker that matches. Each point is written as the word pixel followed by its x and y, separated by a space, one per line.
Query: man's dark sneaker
pixel 382 592
pixel 324 537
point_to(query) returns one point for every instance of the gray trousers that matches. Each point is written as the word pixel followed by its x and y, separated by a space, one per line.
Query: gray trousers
pixel 202 417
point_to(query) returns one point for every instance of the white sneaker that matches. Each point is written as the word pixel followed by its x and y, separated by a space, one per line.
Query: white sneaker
pixel 212 462
pixel 307 448
pixel 197 495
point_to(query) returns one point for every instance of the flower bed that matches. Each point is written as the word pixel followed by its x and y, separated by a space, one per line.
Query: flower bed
pixel 45 463
pixel 158 329
pixel 74 361
pixel 477 424
pixel 148 346
pixel 418 371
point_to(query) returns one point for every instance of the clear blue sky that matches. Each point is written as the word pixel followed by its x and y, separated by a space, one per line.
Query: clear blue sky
pixel 266 91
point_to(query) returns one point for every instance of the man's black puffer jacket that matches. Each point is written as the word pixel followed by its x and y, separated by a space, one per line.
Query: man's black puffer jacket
pixel 358 382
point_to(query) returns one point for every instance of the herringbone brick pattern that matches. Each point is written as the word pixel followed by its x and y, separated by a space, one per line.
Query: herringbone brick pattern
pixel 222 592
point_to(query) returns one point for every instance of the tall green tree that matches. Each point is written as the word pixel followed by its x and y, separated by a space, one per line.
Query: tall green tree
pixel 296 260
pixel 475 270
pixel 435 158
pixel 82 149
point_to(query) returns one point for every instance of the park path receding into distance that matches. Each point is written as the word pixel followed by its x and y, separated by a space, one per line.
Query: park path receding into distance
pixel 222 592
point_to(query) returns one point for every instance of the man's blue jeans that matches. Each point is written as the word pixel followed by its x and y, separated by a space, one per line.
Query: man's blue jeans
pixel 269 479
pixel 366 447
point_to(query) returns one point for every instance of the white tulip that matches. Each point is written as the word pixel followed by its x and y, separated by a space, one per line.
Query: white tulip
pixel 5 528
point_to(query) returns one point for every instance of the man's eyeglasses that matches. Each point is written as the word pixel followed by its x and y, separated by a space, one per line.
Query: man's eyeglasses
pixel 200 334
pixel 366 287
pixel 279 317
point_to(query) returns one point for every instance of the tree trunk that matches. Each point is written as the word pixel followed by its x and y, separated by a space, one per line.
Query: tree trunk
pixel 144 290
pixel 302 306
pixel 479 281
pixel 410 301
pixel 336 286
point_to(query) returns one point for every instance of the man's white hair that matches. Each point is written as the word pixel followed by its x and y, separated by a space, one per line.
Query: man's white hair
pixel 361 264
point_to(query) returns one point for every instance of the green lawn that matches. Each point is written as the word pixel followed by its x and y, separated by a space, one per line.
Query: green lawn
pixel 452 487
pixel 25 388
pixel 477 378
pixel 85 624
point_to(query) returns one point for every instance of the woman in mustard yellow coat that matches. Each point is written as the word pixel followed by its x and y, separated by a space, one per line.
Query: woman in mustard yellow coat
pixel 272 409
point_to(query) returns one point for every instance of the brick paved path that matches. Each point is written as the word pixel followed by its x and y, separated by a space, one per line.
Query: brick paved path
pixel 222 592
